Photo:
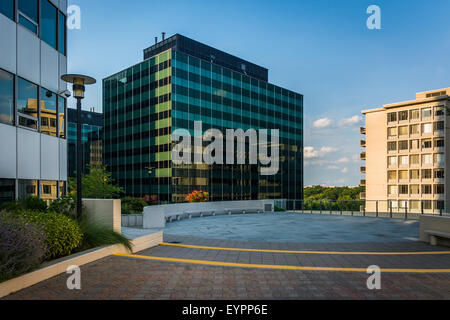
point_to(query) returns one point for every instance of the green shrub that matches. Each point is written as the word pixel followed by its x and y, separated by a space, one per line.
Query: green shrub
pixel 95 235
pixel 31 203
pixel 133 205
pixel 66 205
pixel 63 234
pixel 279 209
pixel 22 246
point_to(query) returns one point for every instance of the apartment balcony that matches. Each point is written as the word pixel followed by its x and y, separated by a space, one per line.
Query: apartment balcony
pixel 363 143
pixel 362 195
pixel 363 170
pixel 362 130
pixel 362 183
pixel 363 156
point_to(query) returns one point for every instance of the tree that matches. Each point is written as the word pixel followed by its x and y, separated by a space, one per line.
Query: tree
pixel 97 184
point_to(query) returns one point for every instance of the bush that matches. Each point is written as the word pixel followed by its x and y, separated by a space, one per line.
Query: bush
pixel 133 205
pixel 22 246
pixel 279 209
pixel 31 203
pixel 95 235
pixel 63 234
pixel 65 205
pixel 197 196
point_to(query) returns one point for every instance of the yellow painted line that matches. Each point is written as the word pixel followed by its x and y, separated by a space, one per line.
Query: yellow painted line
pixel 305 252
pixel 276 267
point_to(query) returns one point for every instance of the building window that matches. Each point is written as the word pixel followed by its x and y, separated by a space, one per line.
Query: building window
pixel 403 115
pixel 28 14
pixel 27 188
pixel 403 131
pixel 427 144
pixel 414 114
pixel 49 17
pixel 392 175
pixel 49 190
pixel 426 113
pixel 393 204
pixel 403 189
pixel 48 111
pixel 427 159
pixel 403 145
pixel 414 144
pixel 392 146
pixel 6 97
pixel 439 143
pixel 392 117
pixel 62 33
pixel 427 189
pixel 7 8
pixel 414 205
pixel 392 190
pixel 439 189
pixel 392 132
pixel 62 189
pixel 427 205
pixel 427 128
pixel 392 161
pixel 27 106
pixel 426 174
pixel 62 117
pixel 439 126
pixel 439 174
pixel 440 205
pixel 403 161
pixel 439 111
pixel 414 159
pixel 403 175
pixel 414 129
pixel 7 190
pixel 439 159
pixel 414 174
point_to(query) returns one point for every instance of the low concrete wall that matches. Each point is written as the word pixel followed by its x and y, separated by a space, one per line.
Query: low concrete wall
pixel 132 220
pixel 155 215
pixel 80 259
pixel 106 212
pixel 434 223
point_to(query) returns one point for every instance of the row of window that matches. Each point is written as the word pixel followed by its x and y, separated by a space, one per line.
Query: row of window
pixel 415 129
pixel 416 204
pixel 417 160
pixel 27 105
pixel 415 144
pixel 40 17
pixel 416 189
pixel 415 115
pixel 47 190
pixel 415 174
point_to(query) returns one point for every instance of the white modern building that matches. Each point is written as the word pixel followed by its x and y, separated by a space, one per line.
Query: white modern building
pixel 33 56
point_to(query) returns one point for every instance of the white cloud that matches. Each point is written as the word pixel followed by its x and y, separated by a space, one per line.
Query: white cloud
pixel 312 153
pixel 322 123
pixel 355 120
pixel 343 160
pixel 332 168
pixel 345 170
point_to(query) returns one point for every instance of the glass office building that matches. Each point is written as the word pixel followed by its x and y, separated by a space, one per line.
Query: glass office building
pixel 33 56
pixel 91 140
pixel 182 81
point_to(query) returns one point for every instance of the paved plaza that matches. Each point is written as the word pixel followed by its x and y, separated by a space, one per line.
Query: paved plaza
pixel 136 277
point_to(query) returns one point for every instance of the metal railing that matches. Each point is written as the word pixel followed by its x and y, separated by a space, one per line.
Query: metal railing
pixel 402 209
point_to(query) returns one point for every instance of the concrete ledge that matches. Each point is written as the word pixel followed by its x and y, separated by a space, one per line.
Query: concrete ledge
pixel 436 224
pixel 61 265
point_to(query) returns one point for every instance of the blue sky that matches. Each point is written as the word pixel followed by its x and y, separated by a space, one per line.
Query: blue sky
pixel 320 48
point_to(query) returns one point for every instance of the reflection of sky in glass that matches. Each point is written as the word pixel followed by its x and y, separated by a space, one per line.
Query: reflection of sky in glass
pixel 26 91
pixel 6 97
pixel 48 103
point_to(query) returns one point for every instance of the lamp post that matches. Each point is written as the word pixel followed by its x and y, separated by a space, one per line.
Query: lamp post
pixel 150 171
pixel 79 82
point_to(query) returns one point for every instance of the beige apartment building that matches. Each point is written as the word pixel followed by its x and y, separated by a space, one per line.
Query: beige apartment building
pixel 405 154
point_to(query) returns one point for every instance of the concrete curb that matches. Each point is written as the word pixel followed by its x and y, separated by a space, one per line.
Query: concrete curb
pixel 56 268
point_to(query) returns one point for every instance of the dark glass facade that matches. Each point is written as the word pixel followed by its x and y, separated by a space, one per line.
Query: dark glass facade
pixel 91 140
pixel 146 103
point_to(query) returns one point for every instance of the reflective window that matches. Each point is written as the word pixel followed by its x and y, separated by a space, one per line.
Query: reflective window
pixel 27 188
pixel 414 189
pixel 6 97
pixel 49 17
pixel 426 113
pixel 7 190
pixel 7 8
pixel 27 106
pixel 62 33
pixel 48 112
pixel 62 189
pixel 49 190
pixel 414 114
pixel 28 14
pixel 62 117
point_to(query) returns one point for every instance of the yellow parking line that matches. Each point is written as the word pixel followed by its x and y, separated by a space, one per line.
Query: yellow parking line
pixel 277 267
pixel 305 252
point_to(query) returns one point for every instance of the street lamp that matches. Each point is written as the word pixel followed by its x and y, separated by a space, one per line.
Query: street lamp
pixel 150 171
pixel 79 82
